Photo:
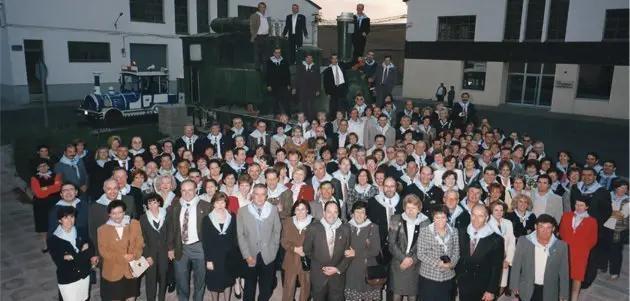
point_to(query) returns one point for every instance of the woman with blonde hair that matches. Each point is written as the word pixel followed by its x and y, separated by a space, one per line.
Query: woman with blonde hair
pixel 165 185
pixel 113 142
pixel 522 218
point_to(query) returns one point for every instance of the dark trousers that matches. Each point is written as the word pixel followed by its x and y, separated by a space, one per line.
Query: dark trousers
pixel 538 293
pixel 192 260
pixel 260 47
pixel 470 295
pixel 294 44
pixel 155 280
pixel 307 105
pixel 602 248
pixel 358 46
pixel 615 257
pixel 337 102
pixel 435 290
pixel 280 99
pixel 262 275
pixel 440 97
pixel 331 291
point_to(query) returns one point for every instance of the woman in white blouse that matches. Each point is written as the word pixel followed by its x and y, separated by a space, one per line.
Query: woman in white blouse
pixel 450 163
pixel 503 227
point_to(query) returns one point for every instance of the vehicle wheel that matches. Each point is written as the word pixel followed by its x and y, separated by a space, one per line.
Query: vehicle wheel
pixel 113 118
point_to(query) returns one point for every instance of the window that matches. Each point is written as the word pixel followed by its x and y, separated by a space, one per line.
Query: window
pixel 595 81
pixel 512 29
pixel 244 12
pixel 535 16
pixel 558 15
pixel 151 11
pixel 456 28
pixel 222 9
pixel 88 52
pixel 616 27
pixel 203 16
pixel 181 16
pixel 474 75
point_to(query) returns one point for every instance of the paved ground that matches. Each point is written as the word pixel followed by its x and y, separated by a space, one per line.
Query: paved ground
pixel 28 275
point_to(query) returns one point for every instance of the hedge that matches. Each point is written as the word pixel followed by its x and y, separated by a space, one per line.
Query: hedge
pixel 25 147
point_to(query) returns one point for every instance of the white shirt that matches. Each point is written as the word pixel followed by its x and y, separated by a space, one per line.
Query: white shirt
pixel 411 227
pixel 336 71
pixel 342 138
pixel 293 22
pixel 357 127
pixel 263 29
pixel 193 235
pixel 540 260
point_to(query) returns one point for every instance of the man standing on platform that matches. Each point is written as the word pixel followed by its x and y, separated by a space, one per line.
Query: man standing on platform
pixel 279 81
pixel 309 82
pixel 361 30
pixel 336 88
pixel 295 31
pixel 259 25
pixel 385 79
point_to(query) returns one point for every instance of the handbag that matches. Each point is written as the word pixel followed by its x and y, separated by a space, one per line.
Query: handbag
pixel 306 263
pixel 139 266
pixel 375 275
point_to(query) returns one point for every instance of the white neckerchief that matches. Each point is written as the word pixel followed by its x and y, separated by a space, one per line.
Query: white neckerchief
pixel 494 224
pixel 307 66
pixel 417 221
pixel 532 237
pixel 179 177
pixel 316 181
pixel 295 189
pixel 438 238
pixel 301 225
pixel 276 60
pixel 591 189
pixel 464 105
pixel 420 186
pixel 476 235
pixel 163 171
pixel 45 175
pixel 69 237
pixel 336 71
pixel 297 143
pixel 160 218
pixel 237 132
pixel 125 189
pixel 330 227
pixel 216 141
pixel 523 218
pixel 103 200
pixel 384 201
pixel 398 167
pixel 453 216
pixel 272 194
pixel 64 203
pixel 266 211
pixel 344 179
pixel 362 190
pixel 101 163
pixel 281 139
pixel 407 179
pixel 237 167
pixel 578 218
pixel 125 221
pixel 354 224
pixel 616 201
pixel 136 152
pixel 215 221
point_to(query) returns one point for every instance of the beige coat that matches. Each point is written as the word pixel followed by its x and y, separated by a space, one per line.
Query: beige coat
pixel 254 23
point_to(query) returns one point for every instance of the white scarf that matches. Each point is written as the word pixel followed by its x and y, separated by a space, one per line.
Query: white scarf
pixel 438 238
pixel 65 204
pixel 420 186
pixel 295 189
pixel 45 175
pixel 74 163
pixel 69 237
pixel 393 201
pixel 307 66
pixel 163 171
pixel 281 139
pixel 276 60
pixel 494 224
pixel 354 224
pixel 301 225
pixel 168 199
pixel 160 218
pixel 330 227
pixel 398 167
pixel 464 105
pixel 382 130
pixel 190 141
pixel 417 221
pixel 216 141
pixel 125 189
pixel 215 221
pixel 266 211
pixel 272 194
pixel 523 218
pixel 342 178
pixel 616 200
pixel 101 163
pixel 362 190
pixel 591 189
pixel 479 234
pixel 125 221
pixel 137 152
pixel 237 132
pixel 297 143
pixel 237 167
pixel 532 237
pixel 179 177
pixel 453 216
pixel 103 200
pixel 578 218
pixel 316 181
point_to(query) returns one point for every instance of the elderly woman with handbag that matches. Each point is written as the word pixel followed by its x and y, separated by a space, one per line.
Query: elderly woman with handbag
pixel 296 265
pixel 365 246
pixel 403 238
pixel 120 242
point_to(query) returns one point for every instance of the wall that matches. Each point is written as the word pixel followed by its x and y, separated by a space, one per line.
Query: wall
pixel 587 17
pixel 564 100
pixel 423 18
pixel 424 76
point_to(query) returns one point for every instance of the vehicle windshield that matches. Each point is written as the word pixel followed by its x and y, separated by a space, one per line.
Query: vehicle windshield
pixel 129 83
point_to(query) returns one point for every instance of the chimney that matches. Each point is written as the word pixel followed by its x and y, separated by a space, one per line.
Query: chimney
pixel 97 82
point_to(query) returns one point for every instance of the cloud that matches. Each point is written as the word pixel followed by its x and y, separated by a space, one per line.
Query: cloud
pixel 375 9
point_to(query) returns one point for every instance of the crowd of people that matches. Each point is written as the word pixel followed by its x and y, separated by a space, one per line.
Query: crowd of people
pixel 360 202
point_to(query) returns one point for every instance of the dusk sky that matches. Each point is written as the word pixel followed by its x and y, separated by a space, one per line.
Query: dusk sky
pixel 375 9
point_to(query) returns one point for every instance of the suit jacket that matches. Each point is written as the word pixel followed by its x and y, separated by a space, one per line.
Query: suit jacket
pixel 113 248
pixel 481 271
pixel 252 142
pixel 111 165
pixel 360 29
pixel 174 231
pixel 248 234
pixel 461 121
pixel 308 82
pixel 254 24
pixel 371 131
pixel 600 207
pixel 397 241
pixel 290 239
pixel 300 27
pixel 556 271
pixel 317 209
pixel 378 215
pixel 329 81
pixel 316 248
pixel 155 242
pixel 389 81
pixel 461 221
pixel 278 75
pixel 69 173
pixel 429 252
pixel 98 216
pixel 69 271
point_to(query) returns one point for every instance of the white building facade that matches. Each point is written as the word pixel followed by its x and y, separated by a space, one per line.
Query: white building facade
pixel 567 56
pixel 74 38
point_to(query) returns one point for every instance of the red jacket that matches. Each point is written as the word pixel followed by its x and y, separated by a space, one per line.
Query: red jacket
pixel 580 242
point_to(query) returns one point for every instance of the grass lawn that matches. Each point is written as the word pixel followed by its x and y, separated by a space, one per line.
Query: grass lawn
pixel 25 146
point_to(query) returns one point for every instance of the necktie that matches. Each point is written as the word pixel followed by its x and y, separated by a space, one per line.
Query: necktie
pixel 337 81
pixel 185 225
pixel 331 242
pixel 473 245
pixel 277 63
pixel 344 189
pixel 585 187
pixel 385 74
pixel 259 210
pixel 124 164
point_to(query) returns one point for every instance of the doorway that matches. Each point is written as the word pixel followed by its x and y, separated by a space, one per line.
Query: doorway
pixel 33 57
pixel 530 83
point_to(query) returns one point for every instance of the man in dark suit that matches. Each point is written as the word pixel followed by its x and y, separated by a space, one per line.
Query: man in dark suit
pixel 361 30
pixel 217 140
pixel 380 209
pixel 259 136
pixel 335 87
pixel 325 244
pixel 295 31
pixel 120 175
pixel 481 258
pixel 309 83
pixel 458 216
pixel 464 112
pixel 190 141
pixel 385 79
pixel 122 160
pixel 279 81
pixel 183 241
pixel 237 129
